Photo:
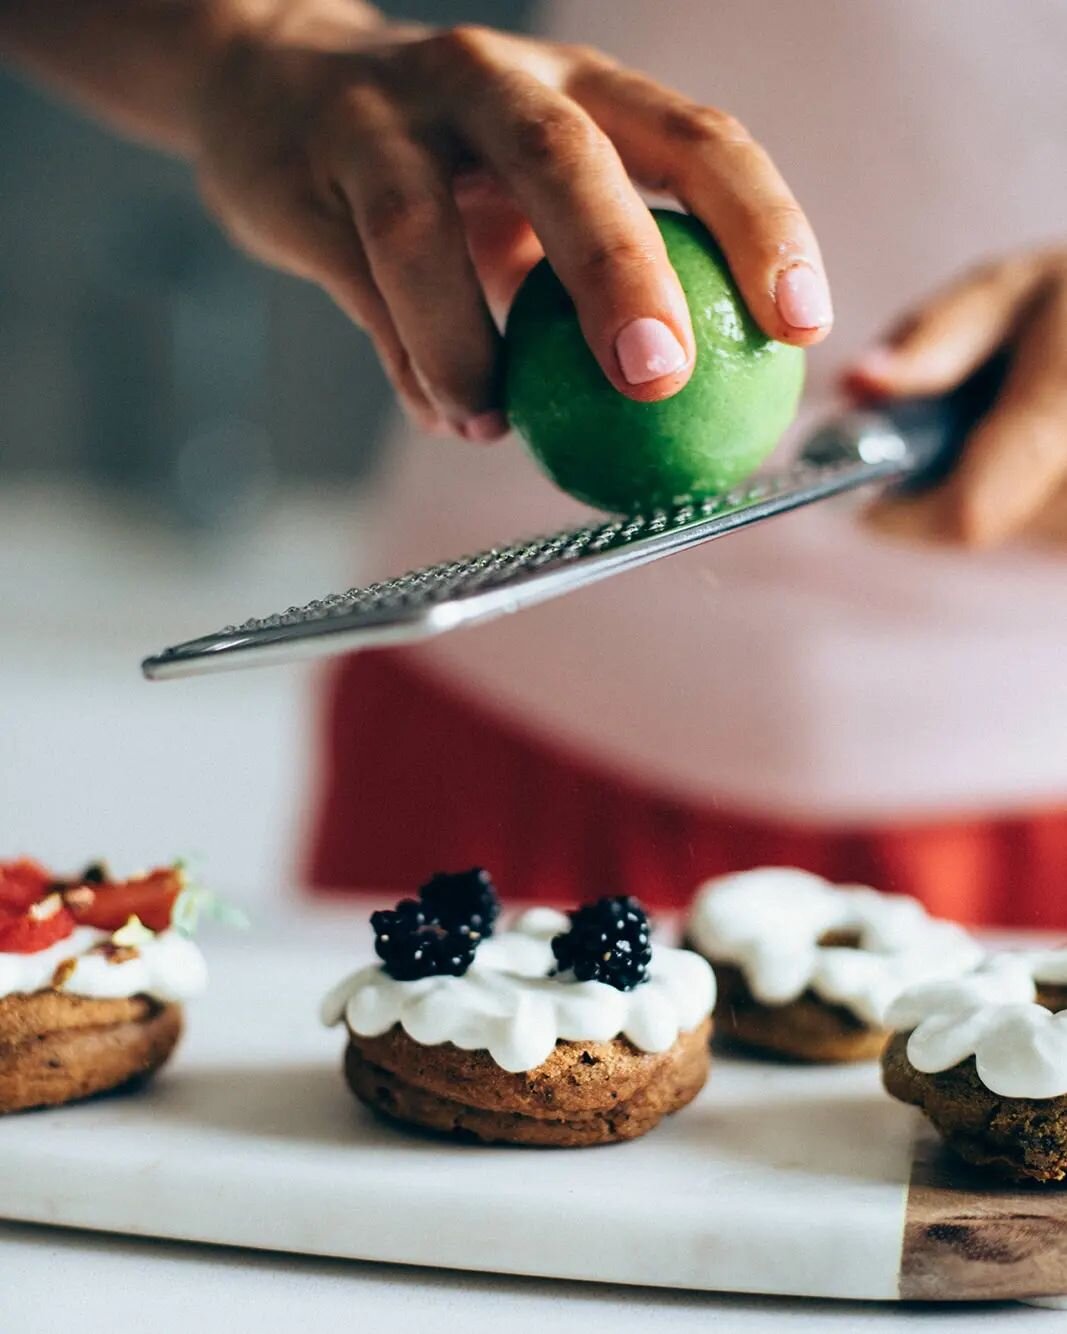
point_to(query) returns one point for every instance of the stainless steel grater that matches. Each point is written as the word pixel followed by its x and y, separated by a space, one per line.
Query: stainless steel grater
pixel 910 441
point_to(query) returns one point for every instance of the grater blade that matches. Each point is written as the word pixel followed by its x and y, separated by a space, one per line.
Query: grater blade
pixel 851 452
pixel 915 441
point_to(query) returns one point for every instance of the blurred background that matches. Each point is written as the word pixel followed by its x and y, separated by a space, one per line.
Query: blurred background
pixel 185 441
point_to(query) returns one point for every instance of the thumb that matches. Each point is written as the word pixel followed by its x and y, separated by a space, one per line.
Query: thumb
pixel 947 338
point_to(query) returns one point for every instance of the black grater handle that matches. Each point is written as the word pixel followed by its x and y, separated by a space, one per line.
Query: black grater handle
pixel 936 429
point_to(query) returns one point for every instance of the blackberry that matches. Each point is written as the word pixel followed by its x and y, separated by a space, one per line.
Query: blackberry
pixel 463 899
pixel 608 942
pixel 412 943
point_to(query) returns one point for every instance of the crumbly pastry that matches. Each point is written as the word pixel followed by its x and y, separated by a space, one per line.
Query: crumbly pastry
pixel 985 1057
pixel 584 1093
pixel 86 1008
pixel 516 1047
pixel 807 969
pixel 75 1047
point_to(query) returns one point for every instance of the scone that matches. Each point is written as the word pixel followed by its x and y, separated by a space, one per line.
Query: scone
pixel 986 1059
pixel 807 970
pixel 562 1031
pixel 89 992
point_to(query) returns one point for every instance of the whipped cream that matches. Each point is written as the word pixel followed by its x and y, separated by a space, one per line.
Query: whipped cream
pixel 508 1005
pixel 1019 1047
pixel 167 966
pixel 769 922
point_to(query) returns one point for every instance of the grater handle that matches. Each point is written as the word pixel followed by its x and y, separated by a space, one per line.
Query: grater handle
pixel 935 429
pixel 913 442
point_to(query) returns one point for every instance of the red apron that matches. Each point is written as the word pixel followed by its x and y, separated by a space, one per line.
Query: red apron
pixel 418 779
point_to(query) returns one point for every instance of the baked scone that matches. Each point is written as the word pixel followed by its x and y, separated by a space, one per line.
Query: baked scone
pixel 986 1059
pixel 562 1031
pixel 89 994
pixel 807 970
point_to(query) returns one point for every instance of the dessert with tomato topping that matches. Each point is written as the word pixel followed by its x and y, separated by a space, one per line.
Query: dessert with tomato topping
pixel 93 973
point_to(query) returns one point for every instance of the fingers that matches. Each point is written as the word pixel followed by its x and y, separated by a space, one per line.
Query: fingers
pixel 288 229
pixel 501 242
pixel 1014 465
pixel 413 237
pixel 597 233
pixel 345 276
pixel 1016 459
pixel 948 338
pixel 710 163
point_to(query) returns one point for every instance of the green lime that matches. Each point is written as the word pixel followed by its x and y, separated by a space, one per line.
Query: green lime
pixel 624 456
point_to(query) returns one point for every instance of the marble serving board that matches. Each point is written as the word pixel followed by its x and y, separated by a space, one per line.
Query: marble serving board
pixel 778 1179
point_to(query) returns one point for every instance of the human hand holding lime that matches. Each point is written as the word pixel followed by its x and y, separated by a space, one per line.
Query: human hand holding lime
pixel 622 455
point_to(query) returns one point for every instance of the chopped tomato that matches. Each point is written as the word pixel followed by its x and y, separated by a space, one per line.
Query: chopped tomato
pixel 22 884
pixel 109 906
pixel 44 924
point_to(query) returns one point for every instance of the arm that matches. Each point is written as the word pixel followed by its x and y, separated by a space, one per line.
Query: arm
pixel 135 63
pixel 416 175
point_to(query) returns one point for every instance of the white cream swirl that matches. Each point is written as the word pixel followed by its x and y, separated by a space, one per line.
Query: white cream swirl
pixel 508 1005
pixel 769 923
pixel 167 966
pixel 1019 1047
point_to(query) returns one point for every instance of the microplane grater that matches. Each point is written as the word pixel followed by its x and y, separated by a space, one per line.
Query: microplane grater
pixel 908 442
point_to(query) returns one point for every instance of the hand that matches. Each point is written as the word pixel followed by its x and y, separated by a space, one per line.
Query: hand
pixel 1012 477
pixel 418 175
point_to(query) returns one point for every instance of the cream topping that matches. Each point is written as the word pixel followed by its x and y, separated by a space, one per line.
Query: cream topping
pixel 508 1005
pixel 769 923
pixel 167 966
pixel 1019 1047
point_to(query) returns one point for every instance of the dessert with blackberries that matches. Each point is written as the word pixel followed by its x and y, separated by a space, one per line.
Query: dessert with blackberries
pixel 93 972
pixel 985 1058
pixel 563 1030
pixel 807 969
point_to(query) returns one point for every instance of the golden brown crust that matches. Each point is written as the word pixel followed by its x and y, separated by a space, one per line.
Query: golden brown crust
pixel 56 1048
pixel 1024 1139
pixel 585 1093
pixel 805 1029
pixel 1052 996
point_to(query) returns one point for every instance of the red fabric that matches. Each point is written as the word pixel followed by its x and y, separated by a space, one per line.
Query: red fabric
pixel 418 779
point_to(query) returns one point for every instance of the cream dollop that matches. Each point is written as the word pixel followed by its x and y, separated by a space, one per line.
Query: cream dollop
pixel 508 1005
pixel 769 922
pixel 1019 1047
pixel 167 966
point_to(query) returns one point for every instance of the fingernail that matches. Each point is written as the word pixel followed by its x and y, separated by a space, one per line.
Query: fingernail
pixel 647 349
pixel 485 426
pixel 803 298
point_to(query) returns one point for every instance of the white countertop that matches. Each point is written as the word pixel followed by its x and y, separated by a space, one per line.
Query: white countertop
pixel 53 1280
pixel 59 1279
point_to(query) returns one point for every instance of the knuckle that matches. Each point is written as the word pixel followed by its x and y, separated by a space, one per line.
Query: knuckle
pixel 695 124
pixel 399 219
pixel 784 217
pixel 358 106
pixel 590 57
pixel 465 44
pixel 606 257
pixel 556 135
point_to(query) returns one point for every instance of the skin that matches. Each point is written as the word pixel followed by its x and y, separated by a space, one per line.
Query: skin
pixel 1012 477
pixel 416 175
pixel 377 160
